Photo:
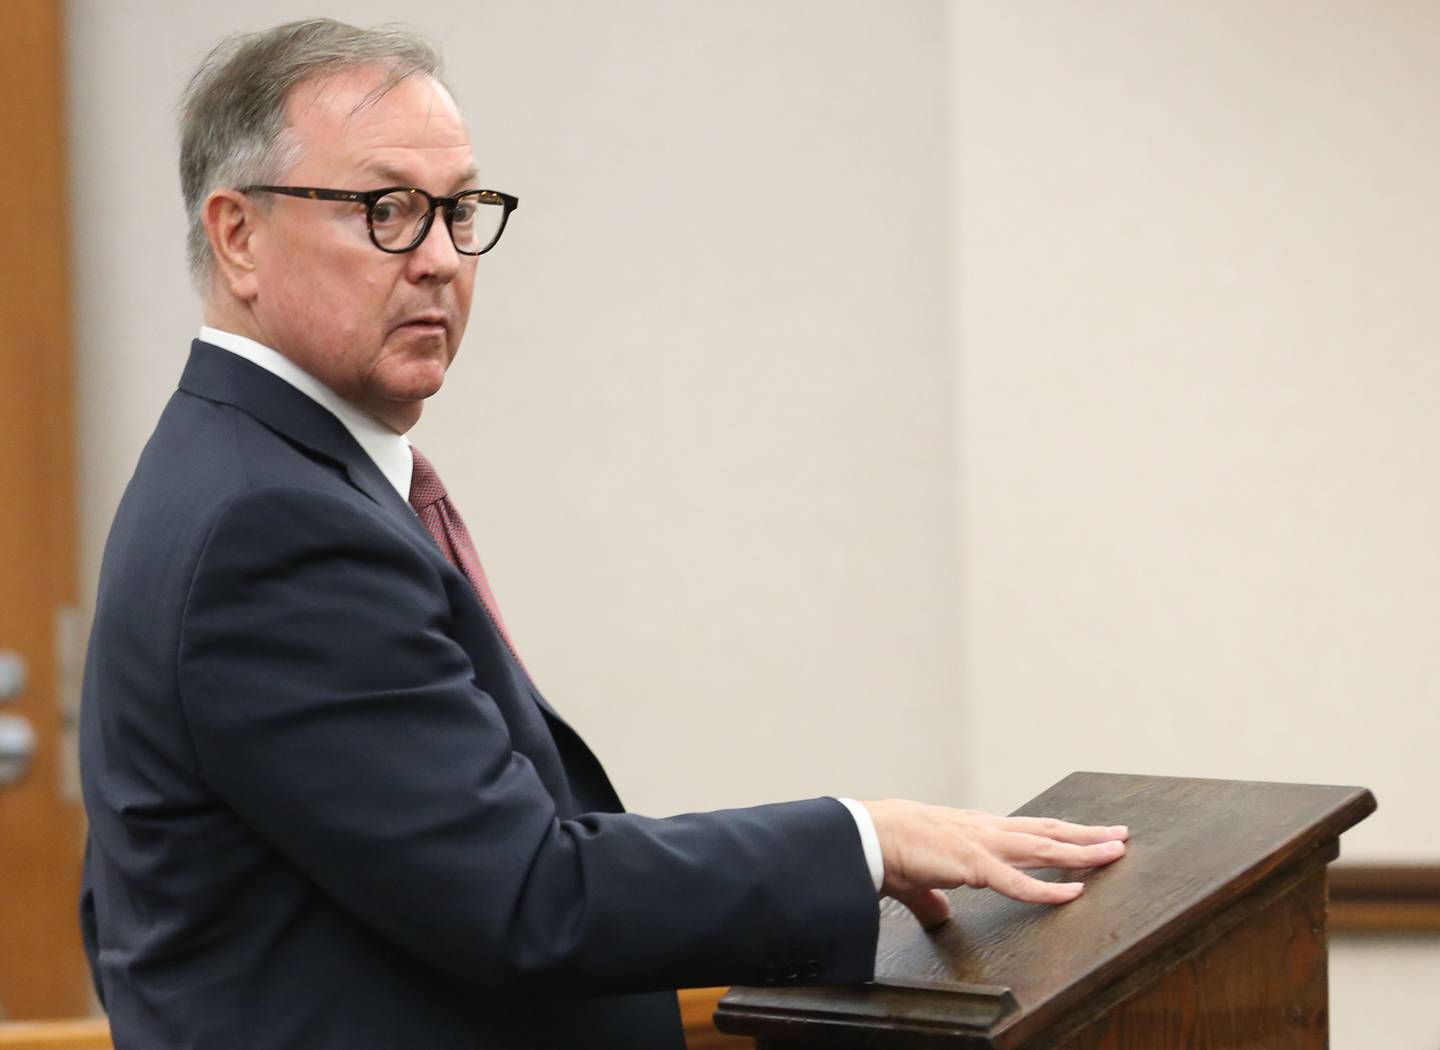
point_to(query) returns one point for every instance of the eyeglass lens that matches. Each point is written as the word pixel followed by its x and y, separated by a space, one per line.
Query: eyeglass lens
pixel 398 220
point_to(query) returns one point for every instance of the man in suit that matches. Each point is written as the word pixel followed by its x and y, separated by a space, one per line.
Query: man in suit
pixel 328 806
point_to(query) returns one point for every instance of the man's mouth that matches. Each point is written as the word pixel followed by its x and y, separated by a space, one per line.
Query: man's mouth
pixel 426 323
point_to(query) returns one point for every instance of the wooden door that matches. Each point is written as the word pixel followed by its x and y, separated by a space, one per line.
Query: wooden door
pixel 42 968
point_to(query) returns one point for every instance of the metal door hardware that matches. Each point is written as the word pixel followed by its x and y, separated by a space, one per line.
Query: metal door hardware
pixel 12 674
pixel 17 748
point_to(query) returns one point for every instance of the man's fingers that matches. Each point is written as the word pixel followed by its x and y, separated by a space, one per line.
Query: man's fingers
pixel 930 907
pixel 931 846
pixel 1004 879
pixel 1064 831
pixel 1035 851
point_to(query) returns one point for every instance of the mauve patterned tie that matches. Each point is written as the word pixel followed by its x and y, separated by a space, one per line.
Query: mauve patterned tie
pixel 438 514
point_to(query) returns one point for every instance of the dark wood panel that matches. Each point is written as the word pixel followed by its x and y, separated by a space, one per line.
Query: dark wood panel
pixel 1206 858
pixel 1225 995
pixel 1197 846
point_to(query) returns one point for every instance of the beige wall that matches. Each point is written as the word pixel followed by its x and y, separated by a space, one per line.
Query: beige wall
pixel 1196 292
pixel 1196 289
pixel 857 406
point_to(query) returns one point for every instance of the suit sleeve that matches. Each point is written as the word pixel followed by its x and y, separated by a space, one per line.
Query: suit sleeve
pixel 334 713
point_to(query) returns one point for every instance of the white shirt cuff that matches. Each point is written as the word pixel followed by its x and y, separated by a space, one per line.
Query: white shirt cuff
pixel 869 840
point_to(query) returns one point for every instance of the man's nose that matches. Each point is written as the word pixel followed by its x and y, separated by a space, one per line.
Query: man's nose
pixel 435 257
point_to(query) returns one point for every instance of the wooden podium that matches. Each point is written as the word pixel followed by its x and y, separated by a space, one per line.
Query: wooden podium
pixel 1209 933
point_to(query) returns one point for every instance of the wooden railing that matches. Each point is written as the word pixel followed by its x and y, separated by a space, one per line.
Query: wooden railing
pixel 697 1007
pixel 1372 898
pixel 56 1035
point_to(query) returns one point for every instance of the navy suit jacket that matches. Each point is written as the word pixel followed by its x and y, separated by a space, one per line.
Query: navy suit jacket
pixel 328 809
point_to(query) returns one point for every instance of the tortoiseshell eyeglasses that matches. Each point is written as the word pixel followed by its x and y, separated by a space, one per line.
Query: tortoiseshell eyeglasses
pixel 399 217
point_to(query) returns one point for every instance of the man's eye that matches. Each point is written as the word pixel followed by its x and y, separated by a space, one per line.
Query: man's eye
pixel 463 212
pixel 397 209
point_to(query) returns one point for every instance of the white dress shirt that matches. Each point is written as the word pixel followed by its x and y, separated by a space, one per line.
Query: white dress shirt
pixel 391 453
pixel 389 450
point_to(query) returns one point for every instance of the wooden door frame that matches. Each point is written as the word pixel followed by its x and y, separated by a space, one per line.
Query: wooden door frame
pixel 41 962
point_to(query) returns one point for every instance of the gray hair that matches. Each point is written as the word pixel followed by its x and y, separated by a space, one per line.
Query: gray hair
pixel 232 114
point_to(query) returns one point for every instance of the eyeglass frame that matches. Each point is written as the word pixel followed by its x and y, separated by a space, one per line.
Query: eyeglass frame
pixel 370 198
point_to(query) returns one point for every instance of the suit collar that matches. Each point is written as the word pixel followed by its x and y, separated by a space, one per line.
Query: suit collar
pixel 390 451
pixel 220 376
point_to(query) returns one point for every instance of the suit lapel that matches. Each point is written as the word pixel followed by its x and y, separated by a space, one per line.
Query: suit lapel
pixel 218 375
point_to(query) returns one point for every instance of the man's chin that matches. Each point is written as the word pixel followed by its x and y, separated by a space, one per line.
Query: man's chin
pixel 398 395
pixel 416 372
pixel 415 389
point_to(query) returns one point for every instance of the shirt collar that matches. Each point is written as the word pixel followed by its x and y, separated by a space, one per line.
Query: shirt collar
pixel 389 451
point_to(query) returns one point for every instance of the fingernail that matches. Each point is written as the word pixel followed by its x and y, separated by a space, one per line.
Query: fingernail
pixel 1118 829
pixel 1114 846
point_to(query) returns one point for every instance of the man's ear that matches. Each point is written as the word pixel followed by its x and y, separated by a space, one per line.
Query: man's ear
pixel 229 219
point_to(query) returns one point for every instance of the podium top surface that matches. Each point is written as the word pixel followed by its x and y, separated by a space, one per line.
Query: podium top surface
pixel 1196 847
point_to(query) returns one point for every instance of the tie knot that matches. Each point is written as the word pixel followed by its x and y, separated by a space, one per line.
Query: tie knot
pixel 426 487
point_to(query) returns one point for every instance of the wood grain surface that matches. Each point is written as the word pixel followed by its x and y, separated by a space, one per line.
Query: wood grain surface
pixel 1226 995
pixel 1202 852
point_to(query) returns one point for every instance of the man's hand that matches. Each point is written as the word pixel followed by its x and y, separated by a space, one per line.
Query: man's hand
pixel 930 848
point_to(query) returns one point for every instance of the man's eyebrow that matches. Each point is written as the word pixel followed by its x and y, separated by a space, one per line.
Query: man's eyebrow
pixel 391 177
